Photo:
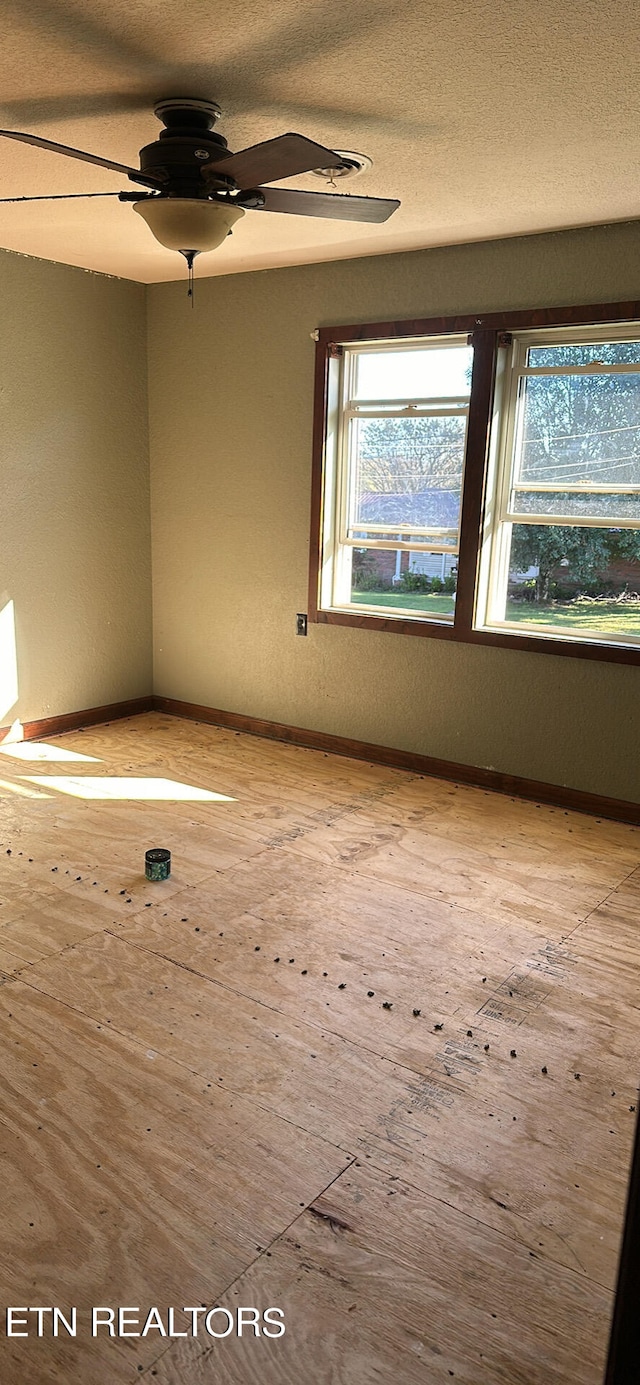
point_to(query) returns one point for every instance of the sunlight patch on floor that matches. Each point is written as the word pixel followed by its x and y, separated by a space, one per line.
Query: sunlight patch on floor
pixel 7 787
pixel 39 750
pixel 109 787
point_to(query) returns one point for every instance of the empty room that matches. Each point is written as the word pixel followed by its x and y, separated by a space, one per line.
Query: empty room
pixel 319 673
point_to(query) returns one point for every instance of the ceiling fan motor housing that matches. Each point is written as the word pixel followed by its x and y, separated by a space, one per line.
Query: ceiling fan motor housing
pixel 186 145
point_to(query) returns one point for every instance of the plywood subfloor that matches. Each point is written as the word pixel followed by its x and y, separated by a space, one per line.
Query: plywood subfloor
pixel 369 1056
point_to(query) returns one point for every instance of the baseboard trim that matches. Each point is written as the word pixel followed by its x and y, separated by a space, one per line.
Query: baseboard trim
pixel 557 795
pixel 75 721
pixel 577 800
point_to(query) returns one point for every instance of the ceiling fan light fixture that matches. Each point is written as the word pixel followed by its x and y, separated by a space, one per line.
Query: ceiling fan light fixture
pixel 188 223
pixel 350 165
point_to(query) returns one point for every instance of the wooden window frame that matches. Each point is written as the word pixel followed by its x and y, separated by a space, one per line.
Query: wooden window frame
pixel 486 334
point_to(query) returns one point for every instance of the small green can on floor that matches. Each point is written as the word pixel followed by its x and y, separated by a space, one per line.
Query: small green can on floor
pixel 157 863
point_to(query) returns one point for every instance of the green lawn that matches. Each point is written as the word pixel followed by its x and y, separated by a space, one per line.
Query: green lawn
pixel 408 601
pixel 605 617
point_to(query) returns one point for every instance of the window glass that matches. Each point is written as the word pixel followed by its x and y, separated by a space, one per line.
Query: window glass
pixel 585 353
pixel 393 479
pixel 580 430
pixel 405 582
pixel 574 581
pixel 570 451
pixel 407 471
pixel 571 503
pixel 552 511
pixel 414 373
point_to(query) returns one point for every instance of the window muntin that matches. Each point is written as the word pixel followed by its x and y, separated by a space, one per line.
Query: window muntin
pixel 395 494
pixel 563 516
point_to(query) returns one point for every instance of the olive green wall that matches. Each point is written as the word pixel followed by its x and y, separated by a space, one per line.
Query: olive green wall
pixel 74 509
pixel 230 395
pixel 231 386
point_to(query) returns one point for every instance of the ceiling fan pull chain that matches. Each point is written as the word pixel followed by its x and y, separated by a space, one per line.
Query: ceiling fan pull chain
pixel 190 256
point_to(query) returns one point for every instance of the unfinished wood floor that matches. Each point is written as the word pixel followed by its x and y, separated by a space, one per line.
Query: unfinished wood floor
pixel 369 1056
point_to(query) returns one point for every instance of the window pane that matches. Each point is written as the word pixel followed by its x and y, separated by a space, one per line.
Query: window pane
pixel 577 580
pixel 422 583
pixel 606 353
pixel 580 428
pixel 436 372
pixel 568 503
pixel 407 471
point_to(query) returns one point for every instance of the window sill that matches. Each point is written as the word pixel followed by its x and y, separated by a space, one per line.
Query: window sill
pixel 562 635
pixel 392 613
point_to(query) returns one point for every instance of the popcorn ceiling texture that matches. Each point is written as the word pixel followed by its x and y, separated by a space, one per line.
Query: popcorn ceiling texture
pixel 487 119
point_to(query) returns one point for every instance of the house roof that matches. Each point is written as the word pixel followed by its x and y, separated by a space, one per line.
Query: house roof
pixel 438 507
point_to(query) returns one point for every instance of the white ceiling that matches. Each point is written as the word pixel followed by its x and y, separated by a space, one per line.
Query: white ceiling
pixel 486 119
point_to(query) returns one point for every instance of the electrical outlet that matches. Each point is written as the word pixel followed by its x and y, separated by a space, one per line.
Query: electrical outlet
pixel 301 624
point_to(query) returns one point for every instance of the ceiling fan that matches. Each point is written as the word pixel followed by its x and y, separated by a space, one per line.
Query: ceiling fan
pixel 196 188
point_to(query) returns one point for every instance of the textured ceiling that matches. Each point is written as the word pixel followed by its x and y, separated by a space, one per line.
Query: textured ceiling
pixel 486 119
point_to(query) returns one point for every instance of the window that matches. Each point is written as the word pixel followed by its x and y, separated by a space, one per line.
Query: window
pixel 481 480
pixel 563 516
pixel 393 524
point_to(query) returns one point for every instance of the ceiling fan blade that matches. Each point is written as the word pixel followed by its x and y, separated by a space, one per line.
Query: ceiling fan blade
pixel 283 157
pixel 59 196
pixel 40 143
pixel 338 206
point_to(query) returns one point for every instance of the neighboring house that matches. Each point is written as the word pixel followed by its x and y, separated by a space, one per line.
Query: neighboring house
pixel 622 575
pixel 439 508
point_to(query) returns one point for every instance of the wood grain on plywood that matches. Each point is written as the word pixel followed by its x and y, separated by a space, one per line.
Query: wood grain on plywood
pixel 400 1115
pixel 378 1282
pixel 149 1029
pixel 128 1179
